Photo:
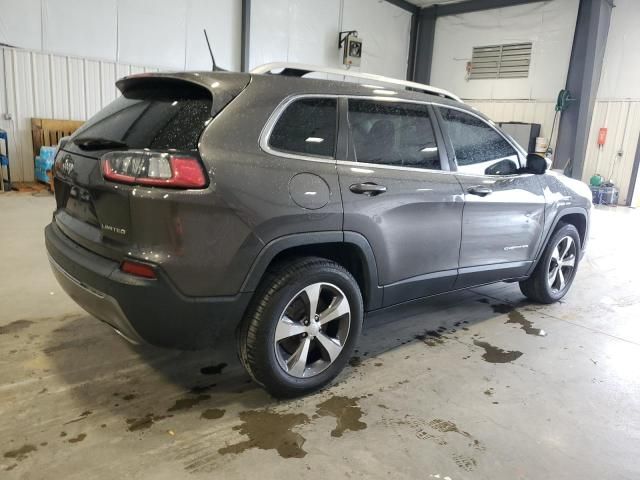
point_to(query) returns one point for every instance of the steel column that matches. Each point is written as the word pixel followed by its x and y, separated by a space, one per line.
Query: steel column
pixel 583 79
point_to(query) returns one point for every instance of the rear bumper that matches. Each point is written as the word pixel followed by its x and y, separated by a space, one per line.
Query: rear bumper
pixel 141 310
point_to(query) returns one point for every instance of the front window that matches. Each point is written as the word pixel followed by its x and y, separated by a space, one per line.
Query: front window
pixel 479 149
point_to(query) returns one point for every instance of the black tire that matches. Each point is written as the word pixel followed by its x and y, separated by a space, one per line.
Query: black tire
pixel 282 285
pixel 537 286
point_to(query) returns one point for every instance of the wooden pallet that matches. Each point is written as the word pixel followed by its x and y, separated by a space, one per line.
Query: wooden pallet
pixel 48 132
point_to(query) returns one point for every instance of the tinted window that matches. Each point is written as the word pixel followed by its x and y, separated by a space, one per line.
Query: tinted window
pixel 478 147
pixel 393 134
pixel 307 127
pixel 155 118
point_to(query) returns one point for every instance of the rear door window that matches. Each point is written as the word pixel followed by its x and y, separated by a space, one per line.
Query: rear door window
pixel 158 118
pixel 399 134
pixel 307 127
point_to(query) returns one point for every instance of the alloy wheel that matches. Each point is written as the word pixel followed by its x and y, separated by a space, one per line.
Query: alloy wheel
pixel 312 330
pixel 562 264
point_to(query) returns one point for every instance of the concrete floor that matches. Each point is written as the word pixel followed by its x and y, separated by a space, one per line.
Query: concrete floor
pixel 491 397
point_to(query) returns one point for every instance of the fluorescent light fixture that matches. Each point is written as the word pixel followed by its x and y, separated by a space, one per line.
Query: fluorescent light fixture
pixel 314 140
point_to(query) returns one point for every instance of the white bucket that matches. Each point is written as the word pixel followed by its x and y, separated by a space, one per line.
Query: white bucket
pixel 541 145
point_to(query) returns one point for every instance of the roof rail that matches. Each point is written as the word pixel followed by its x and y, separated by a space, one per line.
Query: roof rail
pixel 300 69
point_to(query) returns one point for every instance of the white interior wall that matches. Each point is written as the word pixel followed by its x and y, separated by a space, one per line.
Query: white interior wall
pixel 307 32
pixel 549 25
pixel 165 33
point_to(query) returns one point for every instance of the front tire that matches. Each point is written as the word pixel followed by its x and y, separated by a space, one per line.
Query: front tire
pixel 301 327
pixel 554 274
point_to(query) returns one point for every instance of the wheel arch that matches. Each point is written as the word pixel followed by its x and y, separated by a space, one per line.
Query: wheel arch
pixel 349 249
pixel 578 220
pixel 576 216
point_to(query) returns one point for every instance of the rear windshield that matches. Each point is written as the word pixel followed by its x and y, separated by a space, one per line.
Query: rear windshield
pixel 166 116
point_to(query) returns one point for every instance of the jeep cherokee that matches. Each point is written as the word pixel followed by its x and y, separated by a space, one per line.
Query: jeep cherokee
pixel 202 206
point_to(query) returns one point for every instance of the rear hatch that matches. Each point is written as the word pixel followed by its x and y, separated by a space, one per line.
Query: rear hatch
pixel 158 116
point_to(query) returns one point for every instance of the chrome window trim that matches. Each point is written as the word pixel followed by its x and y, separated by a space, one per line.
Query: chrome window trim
pixel 265 134
pixel 390 167
pixel 267 130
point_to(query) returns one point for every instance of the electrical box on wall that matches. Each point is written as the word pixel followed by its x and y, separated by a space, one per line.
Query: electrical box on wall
pixel 351 46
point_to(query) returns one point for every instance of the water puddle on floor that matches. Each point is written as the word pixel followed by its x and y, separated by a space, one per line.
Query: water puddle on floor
pixel 187 403
pixel 15 327
pixel 78 439
pixel 212 413
pixel 494 354
pixel 526 325
pixel 20 453
pixel 431 338
pixel 143 423
pixel 268 430
pixel 345 410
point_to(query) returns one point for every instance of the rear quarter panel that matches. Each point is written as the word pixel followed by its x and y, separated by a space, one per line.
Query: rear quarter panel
pixel 252 202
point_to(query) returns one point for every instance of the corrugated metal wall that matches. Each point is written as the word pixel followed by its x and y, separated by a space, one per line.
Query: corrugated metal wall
pixel 34 84
pixel 621 118
pixel 527 111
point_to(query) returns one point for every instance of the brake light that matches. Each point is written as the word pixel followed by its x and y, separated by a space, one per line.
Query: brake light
pixel 153 169
pixel 137 269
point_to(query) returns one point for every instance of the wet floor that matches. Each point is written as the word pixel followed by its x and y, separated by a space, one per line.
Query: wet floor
pixel 480 384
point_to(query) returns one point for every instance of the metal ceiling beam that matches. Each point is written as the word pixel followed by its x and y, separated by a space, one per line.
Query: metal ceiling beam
pixel 409 7
pixel 478 5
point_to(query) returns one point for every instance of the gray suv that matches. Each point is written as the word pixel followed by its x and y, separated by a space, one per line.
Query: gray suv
pixel 278 210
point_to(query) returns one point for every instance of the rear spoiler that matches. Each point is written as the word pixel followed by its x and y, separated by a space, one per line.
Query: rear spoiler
pixel 221 86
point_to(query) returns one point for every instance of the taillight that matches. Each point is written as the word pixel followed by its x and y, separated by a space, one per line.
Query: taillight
pixel 138 269
pixel 153 169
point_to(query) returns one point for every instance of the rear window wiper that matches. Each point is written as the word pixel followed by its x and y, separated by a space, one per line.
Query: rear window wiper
pixel 96 143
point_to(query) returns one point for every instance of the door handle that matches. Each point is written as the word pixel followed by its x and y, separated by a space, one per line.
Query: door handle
pixel 368 188
pixel 479 190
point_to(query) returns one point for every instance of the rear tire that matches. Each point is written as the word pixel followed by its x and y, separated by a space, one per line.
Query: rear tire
pixel 554 274
pixel 301 327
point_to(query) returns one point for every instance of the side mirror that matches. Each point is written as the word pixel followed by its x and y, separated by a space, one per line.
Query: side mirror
pixel 536 164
